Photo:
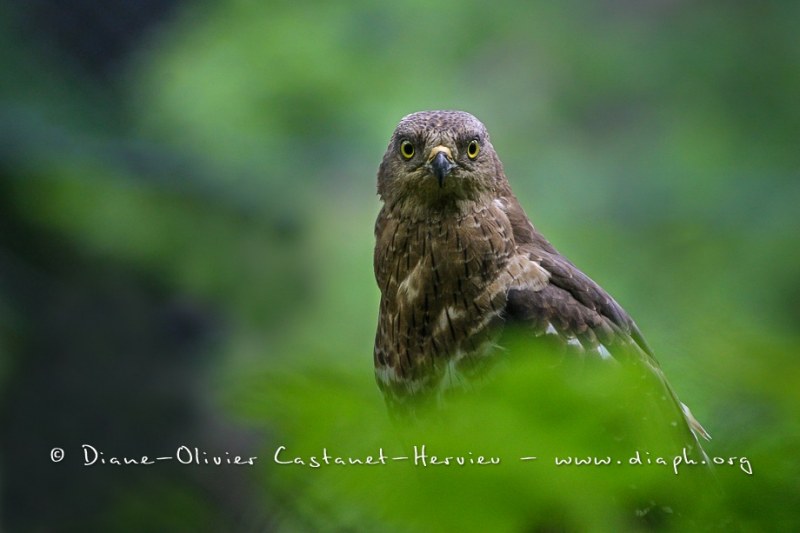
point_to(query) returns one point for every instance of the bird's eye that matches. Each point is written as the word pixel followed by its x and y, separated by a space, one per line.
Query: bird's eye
pixel 407 149
pixel 473 148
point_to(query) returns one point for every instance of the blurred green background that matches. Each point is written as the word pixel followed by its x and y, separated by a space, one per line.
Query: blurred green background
pixel 187 198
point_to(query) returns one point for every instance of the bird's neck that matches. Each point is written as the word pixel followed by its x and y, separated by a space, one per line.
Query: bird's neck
pixel 437 208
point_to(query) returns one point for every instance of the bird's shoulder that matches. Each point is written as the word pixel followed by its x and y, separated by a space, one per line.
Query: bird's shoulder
pixel 571 303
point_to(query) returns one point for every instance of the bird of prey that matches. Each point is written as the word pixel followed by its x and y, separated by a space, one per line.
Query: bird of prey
pixel 456 258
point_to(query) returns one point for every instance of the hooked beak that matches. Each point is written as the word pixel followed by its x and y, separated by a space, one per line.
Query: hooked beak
pixel 440 162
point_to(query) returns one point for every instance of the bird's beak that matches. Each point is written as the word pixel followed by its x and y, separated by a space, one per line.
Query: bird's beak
pixel 441 162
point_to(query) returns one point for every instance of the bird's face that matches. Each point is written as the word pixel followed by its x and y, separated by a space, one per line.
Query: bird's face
pixel 437 159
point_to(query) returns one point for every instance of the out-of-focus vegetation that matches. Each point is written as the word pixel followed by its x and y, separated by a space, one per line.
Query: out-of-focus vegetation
pixel 186 210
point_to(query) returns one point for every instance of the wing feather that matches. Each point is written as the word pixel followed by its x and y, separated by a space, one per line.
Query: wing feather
pixel 575 307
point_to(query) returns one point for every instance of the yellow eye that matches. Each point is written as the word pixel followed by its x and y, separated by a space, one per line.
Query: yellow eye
pixel 473 148
pixel 407 149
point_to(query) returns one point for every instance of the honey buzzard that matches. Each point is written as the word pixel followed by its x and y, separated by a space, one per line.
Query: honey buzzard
pixel 456 259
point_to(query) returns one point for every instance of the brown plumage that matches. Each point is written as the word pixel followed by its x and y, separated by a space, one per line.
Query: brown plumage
pixel 456 258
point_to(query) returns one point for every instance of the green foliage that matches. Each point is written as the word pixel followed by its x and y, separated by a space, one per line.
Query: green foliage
pixel 533 407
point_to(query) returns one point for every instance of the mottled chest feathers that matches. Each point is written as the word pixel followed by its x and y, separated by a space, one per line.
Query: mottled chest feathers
pixel 444 287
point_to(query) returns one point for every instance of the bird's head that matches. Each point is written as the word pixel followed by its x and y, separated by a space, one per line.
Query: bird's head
pixel 437 159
